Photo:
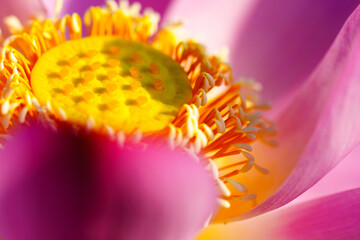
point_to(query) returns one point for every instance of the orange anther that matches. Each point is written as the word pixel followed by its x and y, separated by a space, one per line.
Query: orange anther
pixel 95 66
pixel 154 68
pixel 91 53
pixel 111 74
pixel 73 60
pixel 113 104
pixel 110 87
pixel 136 57
pixel 135 85
pixel 141 100
pixel 64 72
pixel 113 50
pixel 88 96
pixel 114 63
pixel 88 78
pixel 134 72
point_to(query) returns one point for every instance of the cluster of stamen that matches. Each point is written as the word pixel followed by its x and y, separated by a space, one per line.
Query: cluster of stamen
pixel 218 128
pixel 117 81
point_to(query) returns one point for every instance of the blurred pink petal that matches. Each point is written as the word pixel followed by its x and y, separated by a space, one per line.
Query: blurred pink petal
pixel 320 126
pixel 57 186
pixel 21 9
pixel 332 217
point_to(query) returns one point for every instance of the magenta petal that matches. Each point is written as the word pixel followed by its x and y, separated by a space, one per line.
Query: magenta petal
pixel 160 6
pixel 331 217
pixel 283 41
pixel 80 6
pixel 322 124
pixel 57 186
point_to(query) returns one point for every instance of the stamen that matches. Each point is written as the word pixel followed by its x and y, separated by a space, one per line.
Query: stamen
pixel 224 190
pixel 22 115
pixel 90 123
pixel 58 8
pixel 5 108
pixel 62 114
pixel 249 197
pixel 261 169
pixel 13 24
pixel 241 188
pixel 248 166
pixel 121 138
pixel 224 203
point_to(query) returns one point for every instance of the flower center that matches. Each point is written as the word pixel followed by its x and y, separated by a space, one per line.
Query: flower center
pixel 107 81
pixel 138 84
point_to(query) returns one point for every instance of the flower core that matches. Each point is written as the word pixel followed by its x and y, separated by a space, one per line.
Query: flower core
pixel 126 85
pixel 125 78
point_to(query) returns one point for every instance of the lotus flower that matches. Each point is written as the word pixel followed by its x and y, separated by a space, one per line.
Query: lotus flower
pixel 304 54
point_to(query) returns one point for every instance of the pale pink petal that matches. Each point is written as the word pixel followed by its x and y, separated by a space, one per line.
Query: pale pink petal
pixel 58 186
pixel 283 41
pixel 50 7
pixel 21 9
pixel 345 176
pixel 332 217
pixel 319 127
pixel 212 22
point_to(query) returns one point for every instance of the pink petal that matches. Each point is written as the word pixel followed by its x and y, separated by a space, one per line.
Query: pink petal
pixel 21 9
pixel 344 176
pixel 214 23
pixel 332 217
pixel 80 6
pixel 50 7
pixel 283 41
pixel 58 186
pixel 320 126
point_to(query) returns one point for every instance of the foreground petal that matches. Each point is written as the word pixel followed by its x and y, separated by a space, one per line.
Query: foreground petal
pixel 57 186
pixel 283 41
pixel 320 126
pixel 332 217
pixel 317 129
